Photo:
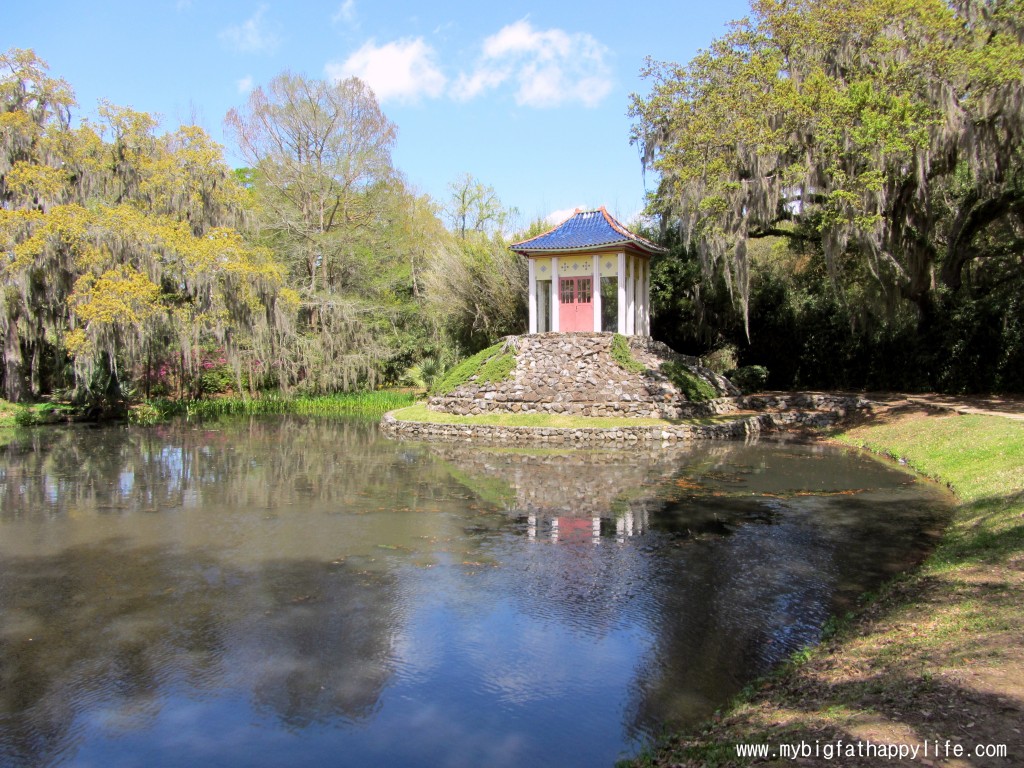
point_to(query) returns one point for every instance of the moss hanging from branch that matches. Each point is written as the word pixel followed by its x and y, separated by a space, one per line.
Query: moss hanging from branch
pixel 114 249
pixel 854 118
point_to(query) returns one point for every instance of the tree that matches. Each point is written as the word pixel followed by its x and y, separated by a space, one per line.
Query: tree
pixel 475 207
pixel 477 290
pixel 475 285
pixel 116 251
pixel 318 149
pixel 891 128
pixel 328 201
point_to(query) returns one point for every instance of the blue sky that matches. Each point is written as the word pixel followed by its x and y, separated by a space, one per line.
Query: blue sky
pixel 528 97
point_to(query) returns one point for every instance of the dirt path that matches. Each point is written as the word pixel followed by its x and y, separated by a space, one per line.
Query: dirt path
pixel 1007 406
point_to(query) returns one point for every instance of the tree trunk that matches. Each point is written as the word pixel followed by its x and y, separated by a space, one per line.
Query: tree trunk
pixel 14 376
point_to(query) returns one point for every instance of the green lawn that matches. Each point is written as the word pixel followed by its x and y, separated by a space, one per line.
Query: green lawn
pixel 7 413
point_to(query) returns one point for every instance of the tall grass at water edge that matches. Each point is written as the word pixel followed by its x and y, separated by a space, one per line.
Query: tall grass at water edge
pixel 373 403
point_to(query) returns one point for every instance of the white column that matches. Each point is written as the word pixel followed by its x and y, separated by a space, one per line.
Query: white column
pixel 639 296
pixel 631 298
pixel 555 298
pixel 647 297
pixel 533 294
pixel 621 285
pixel 596 292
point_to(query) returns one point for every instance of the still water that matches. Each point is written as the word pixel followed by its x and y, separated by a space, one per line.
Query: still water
pixel 307 592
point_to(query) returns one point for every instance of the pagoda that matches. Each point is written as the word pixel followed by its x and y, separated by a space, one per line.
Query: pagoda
pixel 603 276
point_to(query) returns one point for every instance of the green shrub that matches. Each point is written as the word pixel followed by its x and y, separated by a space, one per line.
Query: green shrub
pixel 43 413
pixel 721 360
pixel 26 418
pixel 622 355
pixel 488 365
pixel 750 378
pixel 423 374
pixel 144 414
pixel 216 379
pixel 696 389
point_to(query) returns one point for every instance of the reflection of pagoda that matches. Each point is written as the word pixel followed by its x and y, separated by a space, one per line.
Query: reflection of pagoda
pixel 573 495
pixel 567 496
pixel 574 529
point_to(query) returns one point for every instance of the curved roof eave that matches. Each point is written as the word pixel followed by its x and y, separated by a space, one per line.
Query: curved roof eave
pixel 618 245
pixel 586 231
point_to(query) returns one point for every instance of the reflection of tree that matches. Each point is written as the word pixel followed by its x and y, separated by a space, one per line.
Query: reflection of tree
pixel 256 464
pixel 101 627
pixel 748 550
pixel 733 607
pixel 135 557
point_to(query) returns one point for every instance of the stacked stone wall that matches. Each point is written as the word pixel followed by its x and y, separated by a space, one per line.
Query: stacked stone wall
pixel 575 374
pixel 742 427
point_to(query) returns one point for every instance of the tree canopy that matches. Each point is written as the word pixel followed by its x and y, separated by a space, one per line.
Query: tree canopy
pixel 318 150
pixel 135 258
pixel 890 130
pixel 119 244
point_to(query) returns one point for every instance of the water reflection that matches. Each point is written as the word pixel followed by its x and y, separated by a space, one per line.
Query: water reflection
pixel 292 591
pixel 751 547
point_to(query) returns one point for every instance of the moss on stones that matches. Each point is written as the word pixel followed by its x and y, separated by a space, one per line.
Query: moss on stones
pixel 488 365
pixel 696 389
pixel 623 356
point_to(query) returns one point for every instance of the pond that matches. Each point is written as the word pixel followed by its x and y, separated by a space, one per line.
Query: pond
pixel 307 592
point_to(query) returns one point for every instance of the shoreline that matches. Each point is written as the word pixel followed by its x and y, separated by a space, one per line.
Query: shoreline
pixel 754 415
pixel 933 658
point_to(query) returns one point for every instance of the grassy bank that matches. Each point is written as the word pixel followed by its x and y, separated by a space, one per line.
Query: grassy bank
pixel 8 414
pixel 373 404
pixel 935 657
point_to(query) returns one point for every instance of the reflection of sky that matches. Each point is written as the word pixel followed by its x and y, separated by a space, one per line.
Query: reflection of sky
pixel 52 489
pixel 326 598
pixel 494 686
pixel 126 482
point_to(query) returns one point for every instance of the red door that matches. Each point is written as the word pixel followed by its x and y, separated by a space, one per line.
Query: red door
pixel 576 304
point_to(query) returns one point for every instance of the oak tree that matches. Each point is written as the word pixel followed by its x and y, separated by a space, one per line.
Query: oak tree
pixel 891 130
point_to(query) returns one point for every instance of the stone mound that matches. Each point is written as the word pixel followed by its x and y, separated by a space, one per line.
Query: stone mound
pixel 576 374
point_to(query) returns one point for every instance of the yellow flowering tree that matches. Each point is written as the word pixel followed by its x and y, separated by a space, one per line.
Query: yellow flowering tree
pixel 118 247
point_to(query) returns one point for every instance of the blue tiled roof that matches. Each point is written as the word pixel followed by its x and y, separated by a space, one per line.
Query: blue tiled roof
pixel 585 229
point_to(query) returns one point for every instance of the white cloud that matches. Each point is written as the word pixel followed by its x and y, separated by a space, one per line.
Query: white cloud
pixel 549 67
pixel 557 217
pixel 403 70
pixel 245 84
pixel 482 79
pixel 252 35
pixel 346 13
